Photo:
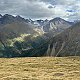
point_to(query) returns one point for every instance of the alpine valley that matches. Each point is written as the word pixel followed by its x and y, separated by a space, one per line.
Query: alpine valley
pixel 21 37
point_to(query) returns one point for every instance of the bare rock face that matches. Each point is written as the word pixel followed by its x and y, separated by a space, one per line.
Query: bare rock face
pixel 57 24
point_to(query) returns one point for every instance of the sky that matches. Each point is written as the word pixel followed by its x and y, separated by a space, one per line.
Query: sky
pixel 42 9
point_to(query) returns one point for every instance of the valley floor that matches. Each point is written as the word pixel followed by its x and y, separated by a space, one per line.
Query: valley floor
pixel 42 68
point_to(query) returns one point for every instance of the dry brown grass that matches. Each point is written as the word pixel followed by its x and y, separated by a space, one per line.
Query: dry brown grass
pixel 43 68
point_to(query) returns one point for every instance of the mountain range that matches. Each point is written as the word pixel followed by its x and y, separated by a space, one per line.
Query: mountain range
pixel 21 37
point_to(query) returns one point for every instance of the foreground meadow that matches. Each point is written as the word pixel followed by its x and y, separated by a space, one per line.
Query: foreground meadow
pixel 42 68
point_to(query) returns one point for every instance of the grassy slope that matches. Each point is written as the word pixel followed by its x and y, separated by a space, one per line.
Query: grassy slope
pixel 44 68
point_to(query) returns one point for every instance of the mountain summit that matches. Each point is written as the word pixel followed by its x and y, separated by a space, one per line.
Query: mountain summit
pixel 56 24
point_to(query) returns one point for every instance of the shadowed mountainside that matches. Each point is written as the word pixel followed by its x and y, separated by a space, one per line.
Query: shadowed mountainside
pixel 66 44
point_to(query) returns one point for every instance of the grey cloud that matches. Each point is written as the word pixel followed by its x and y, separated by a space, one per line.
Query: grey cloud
pixel 27 8
pixel 50 6
pixel 61 2
pixel 41 8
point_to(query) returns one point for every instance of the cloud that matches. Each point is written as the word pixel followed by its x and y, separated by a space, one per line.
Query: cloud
pixel 50 6
pixel 42 9
pixel 26 8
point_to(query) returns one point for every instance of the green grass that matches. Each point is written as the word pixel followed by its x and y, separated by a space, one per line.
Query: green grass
pixel 42 68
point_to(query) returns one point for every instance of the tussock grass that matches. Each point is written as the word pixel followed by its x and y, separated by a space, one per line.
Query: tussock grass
pixel 42 68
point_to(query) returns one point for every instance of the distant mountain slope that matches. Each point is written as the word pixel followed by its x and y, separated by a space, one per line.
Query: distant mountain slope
pixel 18 28
pixel 66 44
pixel 15 26
pixel 7 19
pixel 47 27
pixel 57 24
